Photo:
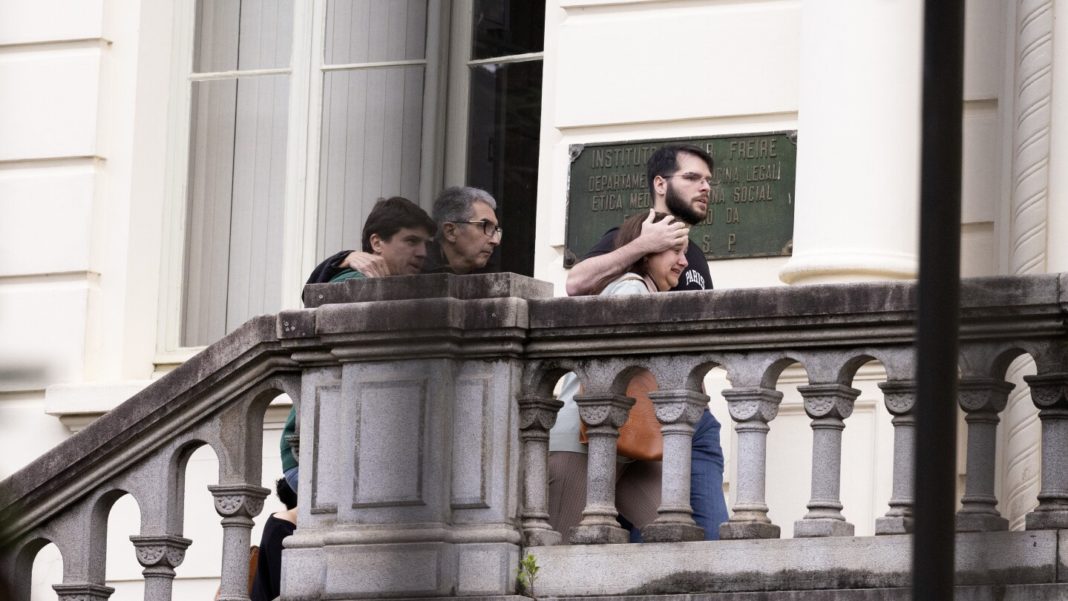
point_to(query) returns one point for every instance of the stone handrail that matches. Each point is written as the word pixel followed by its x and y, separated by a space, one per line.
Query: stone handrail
pixel 425 404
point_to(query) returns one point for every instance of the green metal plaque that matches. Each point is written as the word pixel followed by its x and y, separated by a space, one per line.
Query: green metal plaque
pixel 751 204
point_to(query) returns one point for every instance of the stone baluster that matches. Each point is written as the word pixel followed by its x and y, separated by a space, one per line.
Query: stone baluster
pixel 537 414
pixel 237 504
pixel 82 592
pixel 677 411
pixel 981 399
pixel 1050 394
pixel 159 555
pixel 603 414
pixel 828 405
pixel 900 399
pixel 751 409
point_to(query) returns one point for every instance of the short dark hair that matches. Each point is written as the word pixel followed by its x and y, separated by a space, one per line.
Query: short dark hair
pixel 285 494
pixel 665 161
pixel 454 204
pixel 630 230
pixel 389 215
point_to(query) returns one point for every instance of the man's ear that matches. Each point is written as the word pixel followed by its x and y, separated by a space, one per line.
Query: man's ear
pixel 376 243
pixel 448 231
pixel 660 185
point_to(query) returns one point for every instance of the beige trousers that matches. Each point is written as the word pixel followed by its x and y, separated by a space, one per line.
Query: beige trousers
pixel 637 490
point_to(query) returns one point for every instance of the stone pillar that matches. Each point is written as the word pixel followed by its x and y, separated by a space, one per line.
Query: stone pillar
pixel 828 405
pixel 82 592
pixel 159 555
pixel 537 414
pixel 751 409
pixel 603 414
pixel 900 399
pixel 237 504
pixel 677 411
pixel 1050 394
pixel 864 120
pixel 982 399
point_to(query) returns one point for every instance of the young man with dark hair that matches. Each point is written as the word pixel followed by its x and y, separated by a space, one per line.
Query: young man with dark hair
pixel 468 235
pixel 680 179
pixel 397 230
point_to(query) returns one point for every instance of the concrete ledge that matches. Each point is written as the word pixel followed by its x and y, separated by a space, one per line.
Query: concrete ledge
pixel 1024 592
pixel 463 287
pixel 883 562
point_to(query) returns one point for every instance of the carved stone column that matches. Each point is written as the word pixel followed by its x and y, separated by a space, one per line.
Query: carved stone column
pixel 159 555
pixel 900 399
pixel 751 409
pixel 677 411
pixel 982 399
pixel 537 414
pixel 828 405
pixel 1050 394
pixel 603 414
pixel 237 504
pixel 82 592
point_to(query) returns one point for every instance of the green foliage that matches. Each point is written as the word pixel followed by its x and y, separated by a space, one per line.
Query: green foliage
pixel 527 574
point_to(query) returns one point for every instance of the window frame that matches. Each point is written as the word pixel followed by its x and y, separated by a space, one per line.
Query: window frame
pixel 303 148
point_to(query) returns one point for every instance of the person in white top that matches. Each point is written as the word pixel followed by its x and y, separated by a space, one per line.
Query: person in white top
pixel 637 482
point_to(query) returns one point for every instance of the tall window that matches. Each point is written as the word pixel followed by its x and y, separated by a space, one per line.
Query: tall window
pixel 236 190
pixel 302 114
pixel 505 118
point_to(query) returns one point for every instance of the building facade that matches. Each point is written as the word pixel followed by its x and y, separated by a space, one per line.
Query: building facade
pixel 169 170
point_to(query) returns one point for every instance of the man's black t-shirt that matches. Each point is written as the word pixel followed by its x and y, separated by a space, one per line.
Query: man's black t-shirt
pixel 695 277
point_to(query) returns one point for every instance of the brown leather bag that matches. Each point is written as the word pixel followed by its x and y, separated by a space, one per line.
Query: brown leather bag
pixel 639 437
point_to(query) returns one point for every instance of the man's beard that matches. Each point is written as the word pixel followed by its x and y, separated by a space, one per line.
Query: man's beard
pixel 678 207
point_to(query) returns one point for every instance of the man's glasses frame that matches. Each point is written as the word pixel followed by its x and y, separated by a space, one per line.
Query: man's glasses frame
pixel 691 177
pixel 489 228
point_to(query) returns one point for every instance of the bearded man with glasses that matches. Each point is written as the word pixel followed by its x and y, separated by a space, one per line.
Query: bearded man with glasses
pixel 467 239
pixel 680 180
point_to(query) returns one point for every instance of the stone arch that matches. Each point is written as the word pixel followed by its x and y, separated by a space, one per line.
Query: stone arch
pixel 240 431
pixel 540 378
pixel 24 556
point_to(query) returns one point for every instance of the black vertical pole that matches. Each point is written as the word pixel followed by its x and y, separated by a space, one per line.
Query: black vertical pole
pixel 938 299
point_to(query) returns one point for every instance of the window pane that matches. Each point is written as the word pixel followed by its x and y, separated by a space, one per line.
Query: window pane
pixel 502 155
pixel 368 31
pixel 235 208
pixel 243 34
pixel 506 27
pixel 371 148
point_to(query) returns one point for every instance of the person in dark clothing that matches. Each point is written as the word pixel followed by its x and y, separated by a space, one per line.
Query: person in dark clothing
pixel 468 236
pixel 268 581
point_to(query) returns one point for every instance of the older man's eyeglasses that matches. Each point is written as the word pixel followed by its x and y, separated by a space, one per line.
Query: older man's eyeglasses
pixel 690 176
pixel 488 227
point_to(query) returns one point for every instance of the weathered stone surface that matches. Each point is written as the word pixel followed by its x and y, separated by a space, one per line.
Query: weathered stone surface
pixel 448 355
pixel 1000 558
pixel 493 285
pixel 1026 592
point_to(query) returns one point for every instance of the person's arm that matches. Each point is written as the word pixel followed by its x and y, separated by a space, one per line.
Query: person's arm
pixel 592 274
pixel 372 266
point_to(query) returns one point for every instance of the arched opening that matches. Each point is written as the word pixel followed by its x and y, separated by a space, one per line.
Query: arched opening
pixel 123 572
pixel 47 570
pixel 715 381
pixel 1018 472
pixel 198 575
pixel 789 467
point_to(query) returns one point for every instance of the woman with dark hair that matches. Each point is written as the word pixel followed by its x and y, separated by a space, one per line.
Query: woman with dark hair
pixel 638 483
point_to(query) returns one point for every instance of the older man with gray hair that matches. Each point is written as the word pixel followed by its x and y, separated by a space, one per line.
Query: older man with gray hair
pixel 468 235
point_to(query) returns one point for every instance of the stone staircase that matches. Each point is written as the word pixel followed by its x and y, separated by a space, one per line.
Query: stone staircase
pixel 424 408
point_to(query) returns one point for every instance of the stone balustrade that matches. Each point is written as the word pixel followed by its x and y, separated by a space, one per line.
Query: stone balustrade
pixel 424 409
